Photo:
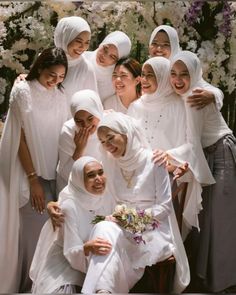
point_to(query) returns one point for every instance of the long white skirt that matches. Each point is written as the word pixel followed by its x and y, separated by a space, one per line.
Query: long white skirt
pixel 118 271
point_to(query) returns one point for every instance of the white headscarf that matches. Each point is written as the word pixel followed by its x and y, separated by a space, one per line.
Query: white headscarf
pixel 161 68
pixel 76 186
pixel 194 67
pixel 173 37
pixel 136 143
pixel 67 29
pixel 104 74
pixel 121 41
pixel 87 100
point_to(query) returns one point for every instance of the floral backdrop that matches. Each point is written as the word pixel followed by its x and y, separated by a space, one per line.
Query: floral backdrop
pixel 207 28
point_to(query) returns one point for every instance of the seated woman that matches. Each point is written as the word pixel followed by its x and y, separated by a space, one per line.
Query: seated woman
pixel 126 82
pixel 208 131
pixel 134 180
pixel 61 258
pixel 78 136
pixel 115 46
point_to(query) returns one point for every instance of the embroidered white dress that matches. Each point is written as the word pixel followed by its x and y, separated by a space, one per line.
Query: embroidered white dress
pixel 35 109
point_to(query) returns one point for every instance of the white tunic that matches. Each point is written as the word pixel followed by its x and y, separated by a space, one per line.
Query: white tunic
pixel 41 113
pixel 80 76
pixel 164 124
pixel 114 102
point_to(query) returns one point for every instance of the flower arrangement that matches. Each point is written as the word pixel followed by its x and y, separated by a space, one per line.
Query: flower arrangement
pixel 133 221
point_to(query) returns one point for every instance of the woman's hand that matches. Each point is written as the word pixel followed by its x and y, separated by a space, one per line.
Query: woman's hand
pixel 160 158
pixel 200 98
pixel 180 171
pixel 37 196
pixel 55 214
pixel 97 246
pixel 80 140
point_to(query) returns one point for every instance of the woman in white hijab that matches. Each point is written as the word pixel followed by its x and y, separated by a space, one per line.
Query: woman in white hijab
pixel 61 258
pixel 73 35
pixel 78 135
pixel 164 41
pixel 115 46
pixel 135 181
pixel 207 130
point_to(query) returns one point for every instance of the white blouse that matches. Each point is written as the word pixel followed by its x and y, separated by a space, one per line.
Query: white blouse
pixel 80 76
pixel 114 102
pixel 164 124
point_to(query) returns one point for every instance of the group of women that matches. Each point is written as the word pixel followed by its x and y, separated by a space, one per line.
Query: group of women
pixel 97 129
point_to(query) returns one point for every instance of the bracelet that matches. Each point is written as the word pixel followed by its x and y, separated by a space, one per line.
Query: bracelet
pixel 31 174
pixel 33 177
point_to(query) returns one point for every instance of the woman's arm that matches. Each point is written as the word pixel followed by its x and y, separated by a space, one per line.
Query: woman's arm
pixel 37 196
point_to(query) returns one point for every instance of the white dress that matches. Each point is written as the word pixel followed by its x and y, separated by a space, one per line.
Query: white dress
pixel 80 76
pixel 35 109
pixel 59 258
pixel 123 267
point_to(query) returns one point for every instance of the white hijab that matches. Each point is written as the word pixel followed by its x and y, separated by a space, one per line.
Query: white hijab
pixel 104 74
pixel 194 67
pixel 173 37
pixel 67 29
pixel 80 72
pixel 86 100
pixel 76 186
pixel 136 146
pixel 161 68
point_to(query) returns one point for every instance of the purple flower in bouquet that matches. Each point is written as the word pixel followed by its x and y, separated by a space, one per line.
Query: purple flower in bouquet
pixel 194 11
pixel 138 238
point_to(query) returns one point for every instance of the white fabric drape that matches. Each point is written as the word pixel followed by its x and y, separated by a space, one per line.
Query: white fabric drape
pixel 104 74
pixel 28 100
pixel 80 73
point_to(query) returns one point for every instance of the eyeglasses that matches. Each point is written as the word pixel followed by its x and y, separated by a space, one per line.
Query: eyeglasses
pixel 161 45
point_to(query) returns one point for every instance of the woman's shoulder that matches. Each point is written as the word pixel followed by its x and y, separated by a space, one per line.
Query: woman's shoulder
pixel 21 94
pixel 109 101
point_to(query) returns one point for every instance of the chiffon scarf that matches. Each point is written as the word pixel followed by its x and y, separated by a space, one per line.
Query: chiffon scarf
pixel 67 29
pixel 136 146
pixel 161 68
pixel 173 37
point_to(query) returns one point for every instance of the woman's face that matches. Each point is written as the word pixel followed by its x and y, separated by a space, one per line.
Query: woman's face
pixel 148 80
pixel 94 178
pixel 123 81
pixel 52 76
pixel 84 119
pixel 160 45
pixel 107 55
pixel 80 44
pixel 113 142
pixel 180 78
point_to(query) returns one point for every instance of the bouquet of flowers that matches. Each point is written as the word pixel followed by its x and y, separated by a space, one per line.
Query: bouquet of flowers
pixel 133 221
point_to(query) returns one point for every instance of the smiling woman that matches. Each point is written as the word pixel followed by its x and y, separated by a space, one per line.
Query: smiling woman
pixel 27 153
pixel 73 35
